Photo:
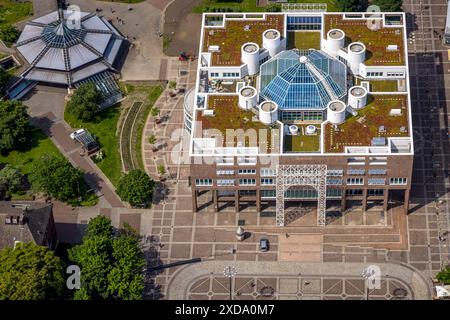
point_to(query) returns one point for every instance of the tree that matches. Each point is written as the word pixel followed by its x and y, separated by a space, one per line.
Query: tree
pixel 161 170
pixel 444 275
pixel 4 79
pixel 389 5
pixel 9 34
pixel 57 178
pixel 84 103
pixel 154 111
pixel 136 187
pixel 10 179
pixel 30 272
pixel 152 139
pixel 111 263
pixel 13 124
pixel 348 5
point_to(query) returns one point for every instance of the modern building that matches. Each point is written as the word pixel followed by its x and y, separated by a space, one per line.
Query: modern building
pixel 27 222
pixel 68 48
pixel 301 107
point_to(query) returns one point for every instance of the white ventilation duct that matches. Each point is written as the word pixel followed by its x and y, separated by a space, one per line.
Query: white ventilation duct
pixel 335 41
pixel 250 56
pixel 356 55
pixel 272 41
pixel 268 112
pixel 357 97
pixel 336 112
pixel 248 98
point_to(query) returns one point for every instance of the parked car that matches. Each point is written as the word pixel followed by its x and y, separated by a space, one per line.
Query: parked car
pixel 264 245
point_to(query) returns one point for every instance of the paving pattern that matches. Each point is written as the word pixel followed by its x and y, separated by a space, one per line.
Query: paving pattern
pixel 296 288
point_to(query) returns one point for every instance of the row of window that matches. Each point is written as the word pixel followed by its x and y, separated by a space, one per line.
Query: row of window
pixel 340 172
pixel 305 193
pixel 374 74
pixel 224 75
pixel 330 181
pixel 302 115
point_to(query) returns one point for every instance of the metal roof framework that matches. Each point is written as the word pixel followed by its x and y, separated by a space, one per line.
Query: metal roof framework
pixel 301 175
pixel 60 53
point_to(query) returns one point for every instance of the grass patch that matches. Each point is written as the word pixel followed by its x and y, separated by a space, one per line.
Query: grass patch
pixel 249 6
pixel 153 93
pixel 383 86
pixel 13 11
pixel 303 40
pixel 104 126
pixel 302 142
pixel 36 146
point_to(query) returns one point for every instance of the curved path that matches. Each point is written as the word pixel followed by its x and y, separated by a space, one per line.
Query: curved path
pixel 405 276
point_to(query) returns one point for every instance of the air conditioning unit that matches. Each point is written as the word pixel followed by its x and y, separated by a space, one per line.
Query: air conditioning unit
pixel 208 112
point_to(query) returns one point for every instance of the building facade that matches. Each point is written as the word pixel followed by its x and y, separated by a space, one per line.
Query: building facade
pixel 301 107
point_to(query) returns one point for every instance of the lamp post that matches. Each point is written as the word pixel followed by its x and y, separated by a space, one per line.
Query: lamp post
pixel 367 274
pixel 230 272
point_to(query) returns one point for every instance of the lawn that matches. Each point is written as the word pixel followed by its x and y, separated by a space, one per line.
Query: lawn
pixel 303 40
pixel 104 127
pixel 250 5
pixel 36 146
pixel 302 142
pixel 383 86
pixel 12 11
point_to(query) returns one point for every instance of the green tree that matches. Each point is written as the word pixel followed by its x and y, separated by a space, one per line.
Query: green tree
pixel 14 122
pixel 30 272
pixel 152 139
pixel 4 79
pixel 444 275
pixel 57 178
pixel 10 179
pixel 136 187
pixel 389 5
pixel 161 170
pixel 84 103
pixel 9 34
pixel 111 263
pixel 348 5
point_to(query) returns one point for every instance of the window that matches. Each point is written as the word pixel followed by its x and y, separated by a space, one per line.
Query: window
pixel 225 182
pixel 335 172
pixel 267 181
pixel 377 171
pixel 225 193
pixel 224 161
pixel 396 74
pixel 247 193
pixel 376 181
pixel 203 182
pixel 225 172
pixel 291 115
pixel 231 74
pixel 304 23
pixel 266 172
pixel 354 192
pixel 334 193
pixel 268 193
pixel 312 116
pixel 351 181
pixel 398 181
pixel 357 172
pixel 247 171
pixel 247 182
pixel 374 74
pixel 378 161
pixel 356 161
pixel 375 192
pixel 264 60
pixel 334 181
pixel 247 160
pixel 214 74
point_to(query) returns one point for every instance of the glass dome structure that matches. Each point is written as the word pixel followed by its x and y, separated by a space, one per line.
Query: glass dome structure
pixel 303 79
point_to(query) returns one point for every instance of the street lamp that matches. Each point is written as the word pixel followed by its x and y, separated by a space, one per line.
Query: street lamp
pixel 230 272
pixel 367 274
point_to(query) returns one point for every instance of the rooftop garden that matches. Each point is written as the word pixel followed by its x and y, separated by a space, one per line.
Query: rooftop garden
pixel 14 11
pixel 359 130
pixel 303 40
pixel 302 142
pixel 251 5
pixel 228 116
pixel 231 38
pixel 381 85
pixel 376 41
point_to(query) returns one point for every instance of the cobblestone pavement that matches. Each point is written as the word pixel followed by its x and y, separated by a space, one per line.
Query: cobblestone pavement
pixel 270 280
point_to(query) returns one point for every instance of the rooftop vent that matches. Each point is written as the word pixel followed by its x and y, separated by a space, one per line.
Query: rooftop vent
pixel 381 129
pixel 378 142
pixel 392 47
pixel 395 112
pixel 208 112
